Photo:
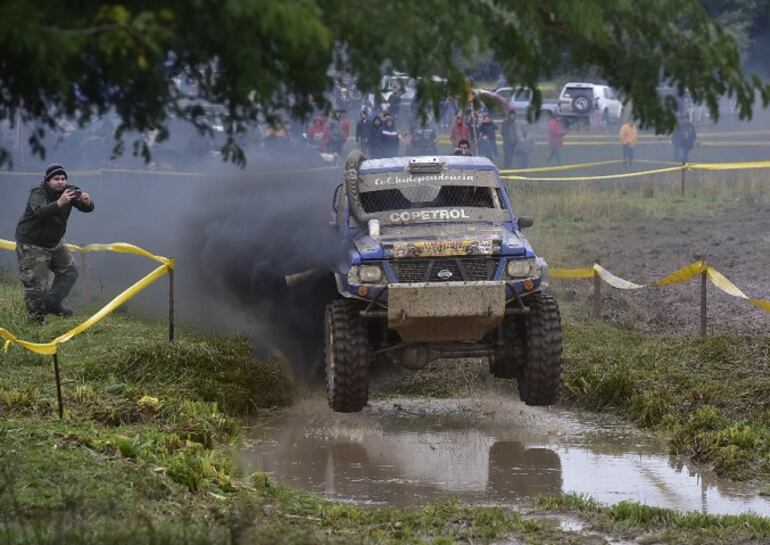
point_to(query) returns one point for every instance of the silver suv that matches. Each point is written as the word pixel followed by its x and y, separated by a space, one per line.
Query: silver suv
pixel 579 101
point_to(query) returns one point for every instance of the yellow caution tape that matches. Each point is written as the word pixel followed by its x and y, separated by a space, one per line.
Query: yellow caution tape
pixel 122 248
pixel 587 272
pixel 613 280
pixel 595 270
pixel 573 166
pixel 728 166
pixel 576 166
pixel 589 178
pixel 729 288
pixel 682 275
pixel 50 348
pixel 723 283
pixel 117 247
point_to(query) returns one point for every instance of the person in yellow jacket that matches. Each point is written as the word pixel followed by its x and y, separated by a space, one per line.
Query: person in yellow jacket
pixel 628 137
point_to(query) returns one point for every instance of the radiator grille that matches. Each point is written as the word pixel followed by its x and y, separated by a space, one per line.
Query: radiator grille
pixel 435 270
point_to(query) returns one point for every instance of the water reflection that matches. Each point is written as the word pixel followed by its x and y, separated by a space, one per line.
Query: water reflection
pixel 517 471
pixel 386 458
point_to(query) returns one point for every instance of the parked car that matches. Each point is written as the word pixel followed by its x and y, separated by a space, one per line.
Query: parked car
pixel 398 92
pixel 578 102
pixel 519 99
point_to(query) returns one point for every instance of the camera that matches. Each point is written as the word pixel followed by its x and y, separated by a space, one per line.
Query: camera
pixel 77 193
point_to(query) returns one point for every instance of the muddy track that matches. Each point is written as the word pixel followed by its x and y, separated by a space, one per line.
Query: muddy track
pixel 737 243
pixel 483 449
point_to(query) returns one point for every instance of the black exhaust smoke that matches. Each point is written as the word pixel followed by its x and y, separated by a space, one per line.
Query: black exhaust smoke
pixel 252 235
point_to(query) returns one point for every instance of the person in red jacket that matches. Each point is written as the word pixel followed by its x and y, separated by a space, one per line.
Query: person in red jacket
pixel 459 131
pixel 556 134
pixel 318 133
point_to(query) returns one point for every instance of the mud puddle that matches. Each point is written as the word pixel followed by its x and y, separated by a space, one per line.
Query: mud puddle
pixel 408 452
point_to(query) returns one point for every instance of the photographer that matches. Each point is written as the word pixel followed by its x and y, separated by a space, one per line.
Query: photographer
pixel 40 244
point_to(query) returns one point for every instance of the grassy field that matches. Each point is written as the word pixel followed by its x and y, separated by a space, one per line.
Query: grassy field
pixel 142 453
pixel 646 197
pixel 141 457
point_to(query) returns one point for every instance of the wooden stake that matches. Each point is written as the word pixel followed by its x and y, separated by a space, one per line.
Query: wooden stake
pixel 58 385
pixel 597 294
pixel 703 284
pixel 683 171
pixel 171 305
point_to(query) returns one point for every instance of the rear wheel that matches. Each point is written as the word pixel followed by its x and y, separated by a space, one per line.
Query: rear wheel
pixel 346 357
pixel 540 376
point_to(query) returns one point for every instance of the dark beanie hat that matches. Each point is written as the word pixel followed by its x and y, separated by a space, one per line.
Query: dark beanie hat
pixel 53 170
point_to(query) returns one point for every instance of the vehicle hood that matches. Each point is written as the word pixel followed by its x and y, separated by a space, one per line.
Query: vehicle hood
pixel 412 241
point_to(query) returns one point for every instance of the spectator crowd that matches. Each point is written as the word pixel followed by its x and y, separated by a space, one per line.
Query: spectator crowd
pixel 469 133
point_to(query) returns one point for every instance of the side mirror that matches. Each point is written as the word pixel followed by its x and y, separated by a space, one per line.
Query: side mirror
pixel 525 221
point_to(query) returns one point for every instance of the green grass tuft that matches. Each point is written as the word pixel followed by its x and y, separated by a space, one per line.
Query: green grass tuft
pixel 678 385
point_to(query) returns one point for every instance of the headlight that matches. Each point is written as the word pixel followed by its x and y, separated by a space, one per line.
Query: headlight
pixel 369 274
pixel 522 268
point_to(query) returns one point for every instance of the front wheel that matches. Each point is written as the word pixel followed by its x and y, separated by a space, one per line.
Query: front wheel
pixel 346 356
pixel 540 376
pixel 506 363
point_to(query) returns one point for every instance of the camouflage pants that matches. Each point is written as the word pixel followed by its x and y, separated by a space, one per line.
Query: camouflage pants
pixel 35 263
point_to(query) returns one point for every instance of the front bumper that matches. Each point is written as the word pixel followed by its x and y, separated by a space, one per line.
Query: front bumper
pixel 445 311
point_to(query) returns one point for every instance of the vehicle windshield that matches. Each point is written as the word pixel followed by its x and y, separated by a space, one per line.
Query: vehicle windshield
pixel 430 196
pixel 523 94
pixel 455 195
pixel 577 90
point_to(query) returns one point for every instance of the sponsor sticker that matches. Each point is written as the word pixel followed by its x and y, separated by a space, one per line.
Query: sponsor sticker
pixel 437 214
pixel 396 180
pixel 436 248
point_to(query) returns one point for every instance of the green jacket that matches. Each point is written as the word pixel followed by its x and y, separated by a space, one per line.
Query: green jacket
pixel 44 222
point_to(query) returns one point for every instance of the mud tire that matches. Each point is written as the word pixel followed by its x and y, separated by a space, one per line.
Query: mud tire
pixel 346 357
pixel 506 365
pixel 540 377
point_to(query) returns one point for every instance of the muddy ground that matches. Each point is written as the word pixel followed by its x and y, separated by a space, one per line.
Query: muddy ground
pixel 736 242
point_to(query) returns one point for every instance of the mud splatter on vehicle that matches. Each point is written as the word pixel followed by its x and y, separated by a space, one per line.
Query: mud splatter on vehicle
pixel 436 267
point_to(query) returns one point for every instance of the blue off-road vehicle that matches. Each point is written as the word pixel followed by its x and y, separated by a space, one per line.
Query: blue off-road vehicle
pixel 436 266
